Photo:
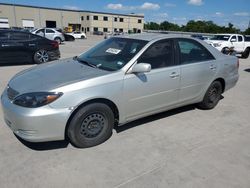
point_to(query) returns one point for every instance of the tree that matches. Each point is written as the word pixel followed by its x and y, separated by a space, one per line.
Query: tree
pixel 247 31
pixel 193 26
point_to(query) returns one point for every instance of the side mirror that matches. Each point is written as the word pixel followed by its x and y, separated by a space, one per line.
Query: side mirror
pixel 233 40
pixel 141 67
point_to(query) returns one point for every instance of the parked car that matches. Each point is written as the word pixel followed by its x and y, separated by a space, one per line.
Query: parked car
pixel 97 33
pixel 22 47
pixel 111 34
pixel 198 37
pixel 50 33
pixel 78 35
pixel 68 37
pixel 119 80
pixel 225 42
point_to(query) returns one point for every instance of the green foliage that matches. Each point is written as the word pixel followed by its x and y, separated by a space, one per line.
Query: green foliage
pixel 193 26
pixel 247 31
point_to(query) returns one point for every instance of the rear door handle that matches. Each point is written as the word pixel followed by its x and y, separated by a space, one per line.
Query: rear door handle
pixel 31 44
pixel 5 45
pixel 174 75
pixel 212 67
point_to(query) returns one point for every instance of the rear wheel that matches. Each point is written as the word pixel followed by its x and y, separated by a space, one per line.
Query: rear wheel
pixel 245 54
pixel 212 96
pixel 41 56
pixel 91 125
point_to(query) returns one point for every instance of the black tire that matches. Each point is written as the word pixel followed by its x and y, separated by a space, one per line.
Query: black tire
pixel 245 54
pixel 41 56
pixel 91 125
pixel 225 50
pixel 212 96
pixel 57 39
pixel 82 37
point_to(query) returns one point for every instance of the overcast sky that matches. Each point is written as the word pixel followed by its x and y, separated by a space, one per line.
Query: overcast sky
pixel 178 11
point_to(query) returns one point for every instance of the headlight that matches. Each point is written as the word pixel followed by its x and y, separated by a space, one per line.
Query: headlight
pixel 36 99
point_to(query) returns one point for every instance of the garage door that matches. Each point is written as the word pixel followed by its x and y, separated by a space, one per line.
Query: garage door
pixel 28 23
pixel 4 23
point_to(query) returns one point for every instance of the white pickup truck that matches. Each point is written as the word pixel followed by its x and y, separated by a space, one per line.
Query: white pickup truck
pixel 223 42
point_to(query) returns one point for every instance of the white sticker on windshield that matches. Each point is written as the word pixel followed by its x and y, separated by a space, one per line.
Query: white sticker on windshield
pixel 113 51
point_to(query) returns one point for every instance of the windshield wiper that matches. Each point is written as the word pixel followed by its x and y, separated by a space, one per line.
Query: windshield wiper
pixel 84 62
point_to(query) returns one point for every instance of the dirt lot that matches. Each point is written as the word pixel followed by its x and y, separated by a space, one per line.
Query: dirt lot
pixel 186 147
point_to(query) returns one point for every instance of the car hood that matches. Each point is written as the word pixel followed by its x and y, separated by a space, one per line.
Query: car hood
pixel 50 76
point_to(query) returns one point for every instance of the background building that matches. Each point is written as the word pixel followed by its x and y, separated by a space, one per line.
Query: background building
pixel 13 15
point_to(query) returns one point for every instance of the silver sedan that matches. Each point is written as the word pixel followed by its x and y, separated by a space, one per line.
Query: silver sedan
pixel 119 80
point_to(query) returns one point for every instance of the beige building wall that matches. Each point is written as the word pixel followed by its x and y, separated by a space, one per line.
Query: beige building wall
pixel 8 12
pixel 17 13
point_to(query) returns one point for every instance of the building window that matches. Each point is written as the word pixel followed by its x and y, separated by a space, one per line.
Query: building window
pixel 139 21
pixel 95 17
pixel 105 29
pixel 121 19
pixel 82 18
pixel 105 18
pixel 87 29
pixel 115 19
pixel 115 30
pixel 82 28
pixel 95 28
pixel 87 17
pixel 120 30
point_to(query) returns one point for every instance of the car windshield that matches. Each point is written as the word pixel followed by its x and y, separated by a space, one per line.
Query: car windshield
pixel 220 37
pixel 112 54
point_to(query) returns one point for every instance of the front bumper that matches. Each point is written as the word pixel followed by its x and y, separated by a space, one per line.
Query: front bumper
pixel 35 124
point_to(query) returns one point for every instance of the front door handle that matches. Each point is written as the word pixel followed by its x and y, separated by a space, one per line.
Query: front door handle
pixel 31 44
pixel 174 75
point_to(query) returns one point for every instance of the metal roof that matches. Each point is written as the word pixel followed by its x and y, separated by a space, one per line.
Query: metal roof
pixel 150 36
pixel 84 11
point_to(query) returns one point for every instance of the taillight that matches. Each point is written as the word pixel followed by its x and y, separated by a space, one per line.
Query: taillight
pixel 54 44
pixel 238 63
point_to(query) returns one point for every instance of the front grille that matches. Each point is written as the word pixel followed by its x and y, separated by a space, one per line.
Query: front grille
pixel 11 93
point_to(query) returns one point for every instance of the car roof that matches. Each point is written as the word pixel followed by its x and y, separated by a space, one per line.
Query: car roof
pixel 151 36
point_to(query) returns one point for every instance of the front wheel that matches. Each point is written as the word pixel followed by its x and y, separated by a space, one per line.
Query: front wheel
pixel 212 96
pixel 225 50
pixel 91 125
pixel 58 40
pixel 41 56
pixel 245 54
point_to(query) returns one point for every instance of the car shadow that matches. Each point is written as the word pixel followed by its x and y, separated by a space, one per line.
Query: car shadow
pixel 53 145
pixel 151 118
pixel 247 70
pixel 42 146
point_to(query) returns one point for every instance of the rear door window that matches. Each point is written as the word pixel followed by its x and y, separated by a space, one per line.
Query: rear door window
pixel 240 38
pixel 191 52
pixel 16 36
pixel 4 36
pixel 49 31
